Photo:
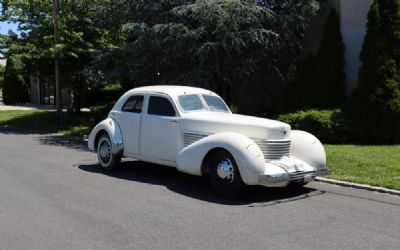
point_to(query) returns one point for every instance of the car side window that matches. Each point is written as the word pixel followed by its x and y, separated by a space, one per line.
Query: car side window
pixel 160 106
pixel 133 104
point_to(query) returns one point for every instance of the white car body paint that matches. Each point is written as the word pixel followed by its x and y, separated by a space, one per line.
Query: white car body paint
pixel 267 152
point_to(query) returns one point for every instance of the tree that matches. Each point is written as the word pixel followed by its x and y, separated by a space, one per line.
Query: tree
pixel 80 36
pixel 374 107
pixel 318 81
pixel 14 87
pixel 330 65
pixel 2 69
pixel 240 49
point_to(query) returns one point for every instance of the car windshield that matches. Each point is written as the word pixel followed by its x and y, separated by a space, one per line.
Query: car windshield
pixel 190 103
pixel 215 103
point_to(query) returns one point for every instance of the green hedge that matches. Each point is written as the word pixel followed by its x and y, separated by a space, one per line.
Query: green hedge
pixel 374 106
pixel 327 125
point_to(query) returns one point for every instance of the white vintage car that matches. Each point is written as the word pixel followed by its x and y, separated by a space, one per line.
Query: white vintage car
pixel 193 130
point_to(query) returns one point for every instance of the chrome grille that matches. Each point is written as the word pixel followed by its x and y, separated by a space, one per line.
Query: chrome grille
pixel 190 137
pixel 274 149
pixel 300 175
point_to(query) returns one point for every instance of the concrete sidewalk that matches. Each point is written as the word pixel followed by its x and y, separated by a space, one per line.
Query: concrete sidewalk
pixel 26 106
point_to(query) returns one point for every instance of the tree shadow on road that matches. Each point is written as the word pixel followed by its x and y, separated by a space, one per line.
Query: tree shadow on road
pixel 72 142
pixel 199 187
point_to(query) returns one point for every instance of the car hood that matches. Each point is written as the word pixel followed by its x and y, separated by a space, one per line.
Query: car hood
pixel 253 127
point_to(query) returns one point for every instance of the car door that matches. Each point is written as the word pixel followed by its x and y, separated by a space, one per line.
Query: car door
pixel 130 120
pixel 160 133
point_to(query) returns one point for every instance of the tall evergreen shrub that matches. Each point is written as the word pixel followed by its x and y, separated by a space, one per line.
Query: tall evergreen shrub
pixel 14 87
pixel 330 64
pixel 317 81
pixel 374 107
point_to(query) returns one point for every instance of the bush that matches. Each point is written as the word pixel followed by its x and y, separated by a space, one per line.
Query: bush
pixel 327 125
pixel 317 81
pixel 374 107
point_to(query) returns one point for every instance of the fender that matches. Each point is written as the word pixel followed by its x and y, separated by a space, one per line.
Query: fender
pixel 308 148
pixel 248 156
pixel 114 132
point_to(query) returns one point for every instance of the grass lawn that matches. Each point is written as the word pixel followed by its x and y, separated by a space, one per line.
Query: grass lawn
pixel 46 121
pixel 373 165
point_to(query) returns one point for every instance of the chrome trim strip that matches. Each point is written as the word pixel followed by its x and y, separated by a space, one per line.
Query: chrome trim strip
pixel 192 137
pixel 301 175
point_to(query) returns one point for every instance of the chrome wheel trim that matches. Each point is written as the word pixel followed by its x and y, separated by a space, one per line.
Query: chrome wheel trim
pixel 104 152
pixel 225 170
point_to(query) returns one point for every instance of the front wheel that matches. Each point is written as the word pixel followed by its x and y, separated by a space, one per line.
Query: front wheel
pixel 225 176
pixel 107 159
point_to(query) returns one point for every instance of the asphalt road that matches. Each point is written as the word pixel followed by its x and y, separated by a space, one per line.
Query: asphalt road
pixel 53 195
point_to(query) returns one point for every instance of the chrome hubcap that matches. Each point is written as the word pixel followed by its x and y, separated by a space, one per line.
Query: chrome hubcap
pixel 225 170
pixel 105 152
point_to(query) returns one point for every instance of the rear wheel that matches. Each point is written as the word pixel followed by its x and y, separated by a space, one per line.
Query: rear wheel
pixel 225 176
pixel 107 159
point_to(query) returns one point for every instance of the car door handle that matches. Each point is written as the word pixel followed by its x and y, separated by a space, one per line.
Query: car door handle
pixel 174 121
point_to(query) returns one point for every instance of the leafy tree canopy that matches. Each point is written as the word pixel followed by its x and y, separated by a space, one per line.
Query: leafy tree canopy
pixel 80 36
pixel 225 45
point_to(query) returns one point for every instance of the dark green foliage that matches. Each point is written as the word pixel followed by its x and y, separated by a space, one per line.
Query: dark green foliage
pixel 99 113
pixel 318 81
pixel 2 69
pixel 98 97
pixel 80 36
pixel 14 87
pixel 330 64
pixel 301 91
pixel 374 107
pixel 214 44
pixel 240 49
pixel 327 125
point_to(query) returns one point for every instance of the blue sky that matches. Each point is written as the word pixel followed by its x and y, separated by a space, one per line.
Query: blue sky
pixel 4 27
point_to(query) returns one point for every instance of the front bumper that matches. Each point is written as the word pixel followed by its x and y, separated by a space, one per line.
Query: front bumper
pixel 279 174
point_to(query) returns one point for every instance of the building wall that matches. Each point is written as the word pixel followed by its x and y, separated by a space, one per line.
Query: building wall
pixel 353 17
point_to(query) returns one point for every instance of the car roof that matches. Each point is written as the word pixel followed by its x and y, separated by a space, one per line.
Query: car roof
pixel 171 90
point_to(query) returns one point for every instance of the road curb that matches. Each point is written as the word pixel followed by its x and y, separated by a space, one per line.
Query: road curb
pixel 359 186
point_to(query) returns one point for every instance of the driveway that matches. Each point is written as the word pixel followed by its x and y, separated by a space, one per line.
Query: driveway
pixel 53 195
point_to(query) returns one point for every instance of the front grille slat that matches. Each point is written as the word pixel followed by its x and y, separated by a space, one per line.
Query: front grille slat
pixel 300 175
pixel 274 149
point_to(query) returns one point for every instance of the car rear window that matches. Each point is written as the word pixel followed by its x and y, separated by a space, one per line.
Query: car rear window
pixel 133 104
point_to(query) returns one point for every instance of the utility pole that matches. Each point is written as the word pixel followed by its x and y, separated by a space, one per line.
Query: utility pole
pixel 56 11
